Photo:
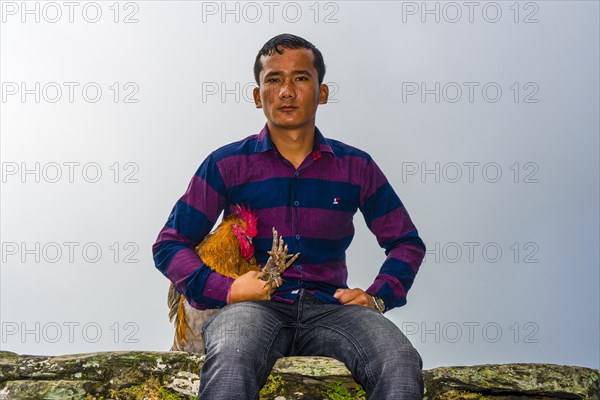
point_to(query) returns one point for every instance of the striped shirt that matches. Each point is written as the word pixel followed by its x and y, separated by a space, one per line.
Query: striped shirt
pixel 312 208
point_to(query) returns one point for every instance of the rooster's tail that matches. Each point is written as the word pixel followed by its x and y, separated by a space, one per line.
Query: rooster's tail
pixel 177 311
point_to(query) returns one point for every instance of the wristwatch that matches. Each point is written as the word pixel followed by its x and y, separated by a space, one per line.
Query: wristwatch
pixel 379 303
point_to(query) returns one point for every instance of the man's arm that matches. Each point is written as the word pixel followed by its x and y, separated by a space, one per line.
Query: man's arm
pixel 387 218
pixel 191 219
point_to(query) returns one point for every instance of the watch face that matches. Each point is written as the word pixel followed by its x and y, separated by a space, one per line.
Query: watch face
pixel 379 303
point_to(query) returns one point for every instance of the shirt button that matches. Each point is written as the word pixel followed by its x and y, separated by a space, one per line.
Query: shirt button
pixel 299 267
pixel 297 237
pixel 296 173
pixel 296 203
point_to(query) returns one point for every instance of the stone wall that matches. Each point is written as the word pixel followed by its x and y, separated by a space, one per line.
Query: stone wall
pixel 175 375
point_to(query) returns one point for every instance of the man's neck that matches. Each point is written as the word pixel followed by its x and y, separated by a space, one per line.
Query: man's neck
pixel 293 144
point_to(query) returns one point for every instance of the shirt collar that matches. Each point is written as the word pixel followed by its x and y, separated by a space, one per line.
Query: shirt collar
pixel 321 144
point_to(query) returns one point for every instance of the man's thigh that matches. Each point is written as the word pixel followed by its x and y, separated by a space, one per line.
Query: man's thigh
pixel 361 337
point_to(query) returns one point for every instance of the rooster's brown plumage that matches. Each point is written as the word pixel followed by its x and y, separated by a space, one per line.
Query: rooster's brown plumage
pixel 229 251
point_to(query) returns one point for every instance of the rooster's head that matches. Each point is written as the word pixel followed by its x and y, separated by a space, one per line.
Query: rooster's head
pixel 244 229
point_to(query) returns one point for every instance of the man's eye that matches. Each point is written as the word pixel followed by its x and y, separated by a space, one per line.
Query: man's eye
pixel 272 80
pixel 304 78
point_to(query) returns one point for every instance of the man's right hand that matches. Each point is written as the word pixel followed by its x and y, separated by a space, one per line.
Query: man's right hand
pixel 250 287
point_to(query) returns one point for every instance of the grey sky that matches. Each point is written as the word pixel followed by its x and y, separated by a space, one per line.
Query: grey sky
pixel 484 121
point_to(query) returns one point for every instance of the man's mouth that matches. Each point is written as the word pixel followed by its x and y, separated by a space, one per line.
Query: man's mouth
pixel 287 108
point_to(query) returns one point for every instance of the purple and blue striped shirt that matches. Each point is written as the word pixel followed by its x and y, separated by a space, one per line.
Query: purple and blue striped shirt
pixel 312 207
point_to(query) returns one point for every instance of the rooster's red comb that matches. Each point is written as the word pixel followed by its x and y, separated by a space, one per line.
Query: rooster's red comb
pixel 246 215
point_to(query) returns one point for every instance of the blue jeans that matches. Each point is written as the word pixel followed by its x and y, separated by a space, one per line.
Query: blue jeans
pixel 244 340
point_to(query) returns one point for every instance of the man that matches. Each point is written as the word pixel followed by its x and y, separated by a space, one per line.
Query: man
pixel 308 188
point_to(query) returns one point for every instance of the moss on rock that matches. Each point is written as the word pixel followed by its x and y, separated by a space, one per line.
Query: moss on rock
pixel 175 376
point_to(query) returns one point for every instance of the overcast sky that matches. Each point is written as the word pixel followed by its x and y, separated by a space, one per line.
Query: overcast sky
pixel 483 116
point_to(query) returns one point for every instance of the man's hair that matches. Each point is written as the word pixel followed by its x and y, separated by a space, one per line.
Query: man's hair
pixel 288 41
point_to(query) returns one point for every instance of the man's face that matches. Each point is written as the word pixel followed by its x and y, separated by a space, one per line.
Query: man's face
pixel 289 91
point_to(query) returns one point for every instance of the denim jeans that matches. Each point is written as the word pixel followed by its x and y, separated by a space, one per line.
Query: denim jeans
pixel 244 340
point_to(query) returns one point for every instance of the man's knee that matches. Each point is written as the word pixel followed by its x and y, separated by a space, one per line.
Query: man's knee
pixel 401 358
pixel 396 360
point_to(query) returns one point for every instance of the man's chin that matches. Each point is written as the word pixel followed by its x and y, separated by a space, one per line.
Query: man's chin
pixel 283 124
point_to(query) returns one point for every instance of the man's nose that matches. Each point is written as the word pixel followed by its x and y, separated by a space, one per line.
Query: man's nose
pixel 288 91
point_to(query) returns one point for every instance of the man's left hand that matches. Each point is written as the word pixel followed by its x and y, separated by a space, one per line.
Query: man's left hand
pixel 355 296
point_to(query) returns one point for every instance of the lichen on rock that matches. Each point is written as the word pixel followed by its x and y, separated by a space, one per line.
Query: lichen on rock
pixel 140 375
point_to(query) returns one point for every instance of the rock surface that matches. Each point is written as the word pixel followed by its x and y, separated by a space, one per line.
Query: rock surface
pixel 175 375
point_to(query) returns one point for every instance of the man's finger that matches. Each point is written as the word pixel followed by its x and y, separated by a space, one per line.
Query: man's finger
pixel 348 297
pixel 358 301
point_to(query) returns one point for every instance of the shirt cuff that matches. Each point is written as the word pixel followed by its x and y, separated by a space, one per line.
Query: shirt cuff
pixel 381 288
pixel 216 289
pixel 228 295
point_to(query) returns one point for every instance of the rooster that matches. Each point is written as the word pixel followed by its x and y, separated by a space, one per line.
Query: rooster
pixel 229 251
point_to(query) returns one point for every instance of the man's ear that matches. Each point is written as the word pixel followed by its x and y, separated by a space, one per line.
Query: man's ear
pixel 256 95
pixel 323 93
